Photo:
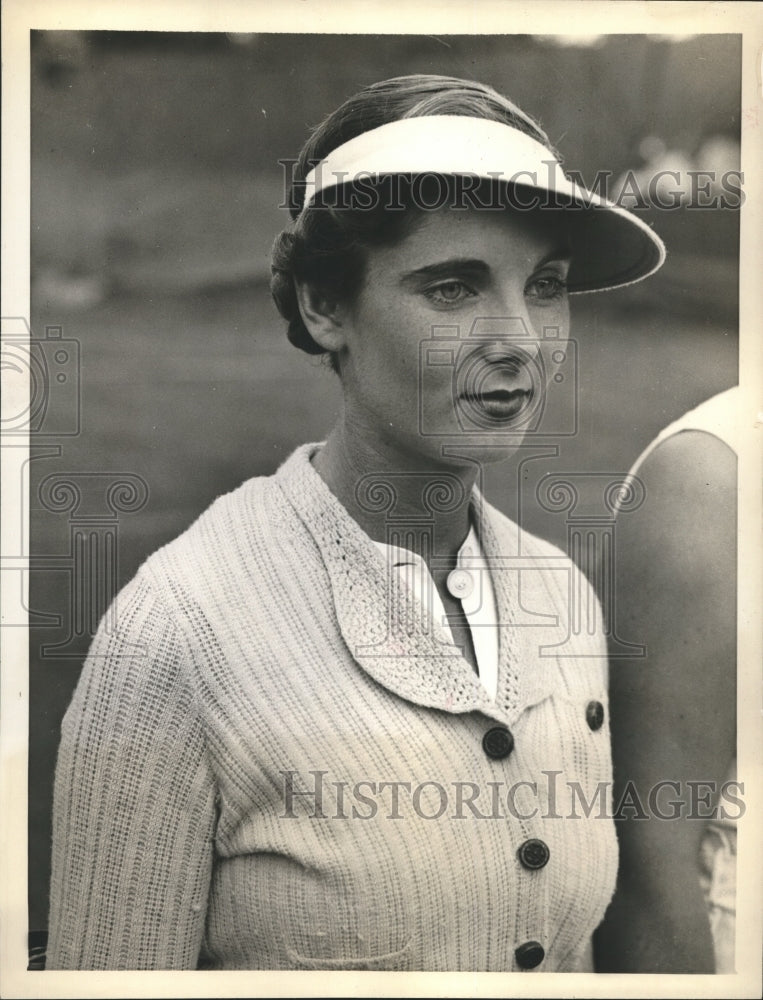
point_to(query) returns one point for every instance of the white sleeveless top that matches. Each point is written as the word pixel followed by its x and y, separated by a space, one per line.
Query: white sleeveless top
pixel 718 415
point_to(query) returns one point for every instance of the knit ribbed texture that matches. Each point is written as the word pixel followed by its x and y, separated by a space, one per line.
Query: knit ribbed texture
pixel 262 647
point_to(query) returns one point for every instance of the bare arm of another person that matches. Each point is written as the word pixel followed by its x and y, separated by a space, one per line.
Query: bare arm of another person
pixel 673 712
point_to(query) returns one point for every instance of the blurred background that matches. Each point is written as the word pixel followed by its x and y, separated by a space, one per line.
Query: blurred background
pixel 155 194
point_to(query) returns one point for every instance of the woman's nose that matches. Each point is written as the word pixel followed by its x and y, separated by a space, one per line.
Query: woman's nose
pixel 501 327
pixel 506 314
pixel 505 335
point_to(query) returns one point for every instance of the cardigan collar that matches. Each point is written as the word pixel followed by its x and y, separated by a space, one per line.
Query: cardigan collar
pixel 387 631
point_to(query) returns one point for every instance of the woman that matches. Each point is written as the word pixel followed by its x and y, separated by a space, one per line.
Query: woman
pixel 328 728
pixel 674 710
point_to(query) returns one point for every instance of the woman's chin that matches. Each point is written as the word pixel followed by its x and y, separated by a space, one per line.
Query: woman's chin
pixel 481 446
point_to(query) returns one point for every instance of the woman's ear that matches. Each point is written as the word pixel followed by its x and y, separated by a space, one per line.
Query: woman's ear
pixel 322 316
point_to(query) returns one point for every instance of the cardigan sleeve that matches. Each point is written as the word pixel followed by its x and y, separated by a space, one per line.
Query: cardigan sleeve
pixel 134 802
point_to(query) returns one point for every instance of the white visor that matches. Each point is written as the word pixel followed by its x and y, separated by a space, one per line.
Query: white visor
pixel 611 247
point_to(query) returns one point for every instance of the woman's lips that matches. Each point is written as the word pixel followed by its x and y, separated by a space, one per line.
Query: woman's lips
pixel 500 386
pixel 502 404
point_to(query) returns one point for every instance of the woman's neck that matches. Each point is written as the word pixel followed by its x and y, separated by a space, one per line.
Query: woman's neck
pixel 395 495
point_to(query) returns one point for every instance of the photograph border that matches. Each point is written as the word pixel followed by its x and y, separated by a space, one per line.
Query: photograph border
pixel 392 17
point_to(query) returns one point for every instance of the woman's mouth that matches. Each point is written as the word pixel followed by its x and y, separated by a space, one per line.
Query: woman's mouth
pixel 501 404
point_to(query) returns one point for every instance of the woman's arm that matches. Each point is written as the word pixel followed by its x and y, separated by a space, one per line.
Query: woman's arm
pixel 134 804
pixel 673 712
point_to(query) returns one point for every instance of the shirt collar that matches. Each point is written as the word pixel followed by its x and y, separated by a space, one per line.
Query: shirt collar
pixel 393 642
pixel 469 551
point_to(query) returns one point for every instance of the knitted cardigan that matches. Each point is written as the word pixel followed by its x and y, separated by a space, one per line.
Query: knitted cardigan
pixel 272 761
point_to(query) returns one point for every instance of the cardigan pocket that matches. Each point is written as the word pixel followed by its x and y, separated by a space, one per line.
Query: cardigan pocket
pixel 393 961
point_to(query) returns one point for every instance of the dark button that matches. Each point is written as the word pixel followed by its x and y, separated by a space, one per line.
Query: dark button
pixel 533 854
pixel 498 742
pixel 529 954
pixel 594 715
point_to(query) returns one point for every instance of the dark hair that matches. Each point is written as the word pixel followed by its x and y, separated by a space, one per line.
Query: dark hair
pixel 327 246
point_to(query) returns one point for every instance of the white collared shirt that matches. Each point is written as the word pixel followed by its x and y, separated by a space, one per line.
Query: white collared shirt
pixel 470 583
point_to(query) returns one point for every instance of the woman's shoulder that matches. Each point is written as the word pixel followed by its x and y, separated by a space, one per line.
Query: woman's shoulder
pixel 221 550
pixel 717 417
pixel 219 525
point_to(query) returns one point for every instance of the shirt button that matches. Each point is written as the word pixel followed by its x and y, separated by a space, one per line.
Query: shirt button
pixel 460 583
pixel 594 715
pixel 529 954
pixel 498 742
pixel 533 854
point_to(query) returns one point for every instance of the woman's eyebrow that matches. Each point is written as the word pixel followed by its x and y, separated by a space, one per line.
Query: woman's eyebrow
pixel 473 265
pixel 562 253
pixel 446 268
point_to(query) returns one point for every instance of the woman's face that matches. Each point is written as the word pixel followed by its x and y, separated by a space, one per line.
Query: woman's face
pixel 456 332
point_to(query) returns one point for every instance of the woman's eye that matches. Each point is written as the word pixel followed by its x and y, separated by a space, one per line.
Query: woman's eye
pixel 449 292
pixel 547 286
